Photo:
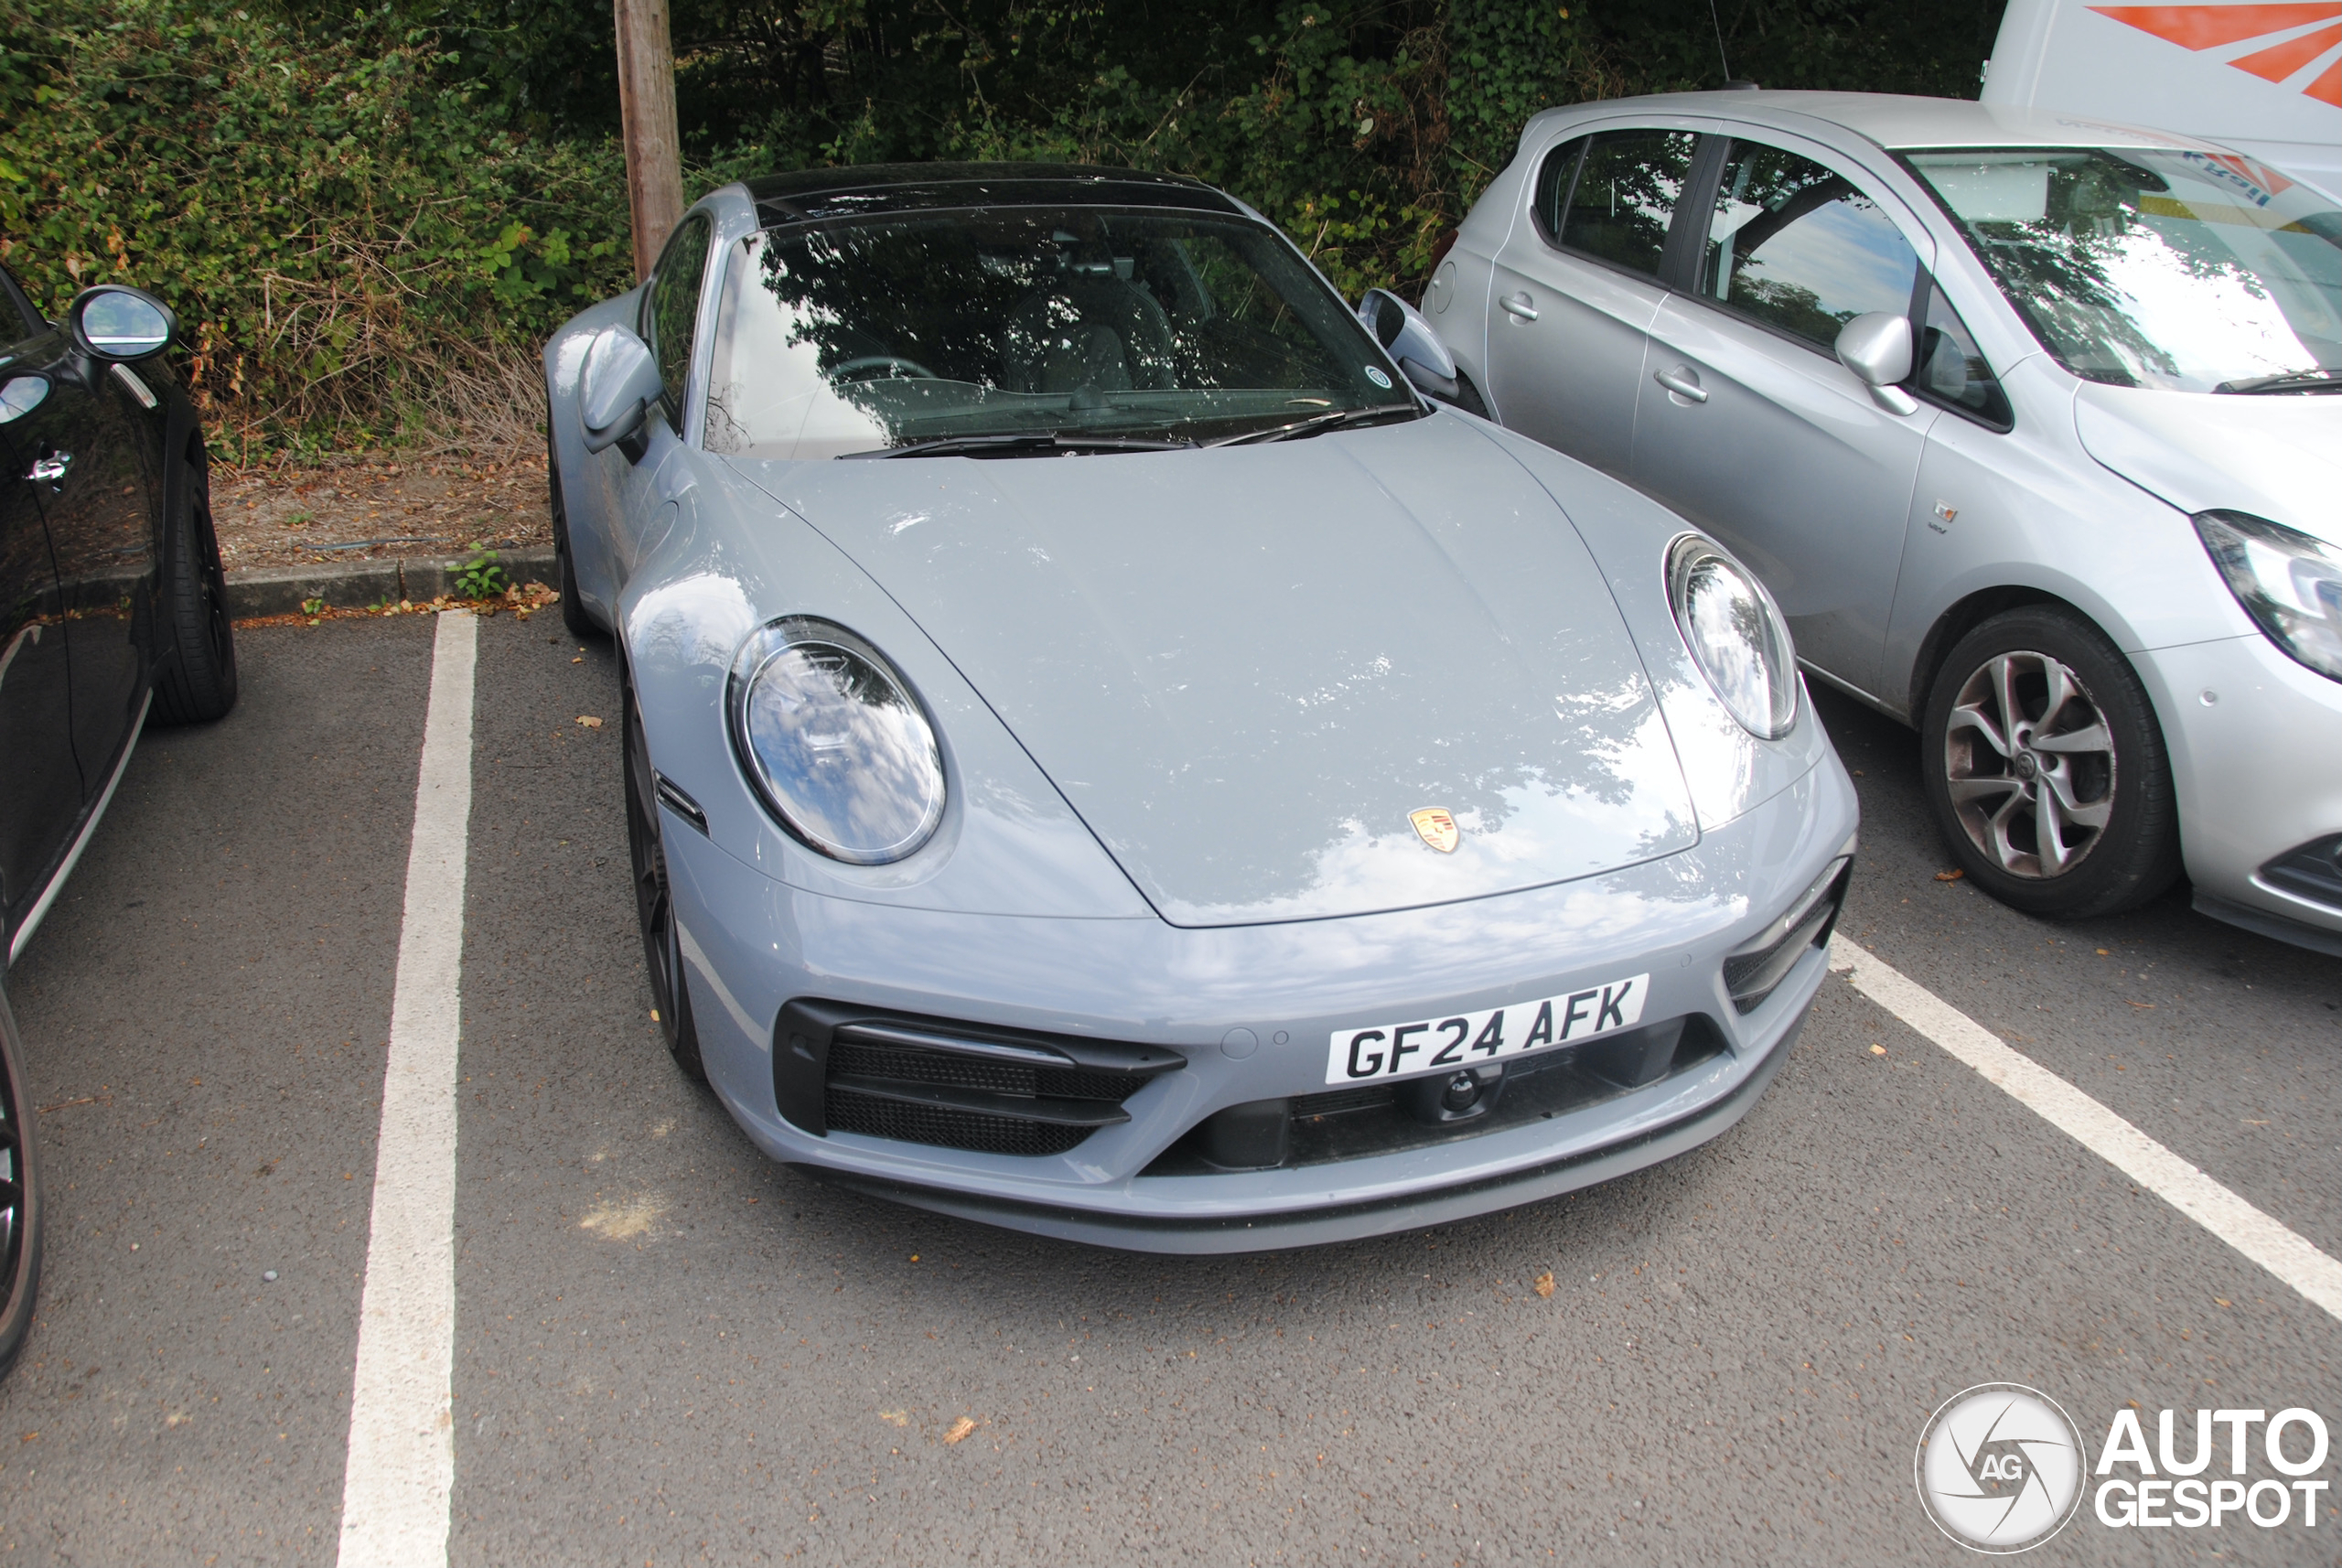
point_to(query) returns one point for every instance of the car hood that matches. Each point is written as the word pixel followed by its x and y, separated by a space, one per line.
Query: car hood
pixel 2278 457
pixel 1245 669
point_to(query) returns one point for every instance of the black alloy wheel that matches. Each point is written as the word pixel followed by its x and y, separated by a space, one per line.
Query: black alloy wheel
pixel 654 904
pixel 198 685
pixel 573 614
pixel 19 1199
pixel 2045 769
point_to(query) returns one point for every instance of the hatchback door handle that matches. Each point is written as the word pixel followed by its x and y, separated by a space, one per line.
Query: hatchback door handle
pixel 1518 304
pixel 1683 382
pixel 50 468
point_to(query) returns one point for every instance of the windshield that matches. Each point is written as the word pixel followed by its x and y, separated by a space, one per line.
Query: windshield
pixel 2140 267
pixel 1091 324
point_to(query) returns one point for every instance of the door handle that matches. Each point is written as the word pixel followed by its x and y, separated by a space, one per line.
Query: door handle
pixel 49 468
pixel 1518 304
pixel 1683 382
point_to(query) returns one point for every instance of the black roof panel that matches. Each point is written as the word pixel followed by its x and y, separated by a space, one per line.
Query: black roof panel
pixel 812 195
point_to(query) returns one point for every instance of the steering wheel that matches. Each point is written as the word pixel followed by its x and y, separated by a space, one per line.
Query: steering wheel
pixel 891 363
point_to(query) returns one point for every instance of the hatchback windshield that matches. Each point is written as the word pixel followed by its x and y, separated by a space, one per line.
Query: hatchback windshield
pixel 2142 267
pixel 1096 327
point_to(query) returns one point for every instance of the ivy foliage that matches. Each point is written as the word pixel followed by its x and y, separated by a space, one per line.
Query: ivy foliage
pixel 361 214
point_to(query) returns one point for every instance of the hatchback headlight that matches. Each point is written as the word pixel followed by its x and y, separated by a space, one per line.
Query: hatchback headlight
pixel 1736 635
pixel 841 751
pixel 2287 581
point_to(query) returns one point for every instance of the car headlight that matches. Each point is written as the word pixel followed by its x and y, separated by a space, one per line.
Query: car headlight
pixel 2287 581
pixel 1736 635
pixel 830 735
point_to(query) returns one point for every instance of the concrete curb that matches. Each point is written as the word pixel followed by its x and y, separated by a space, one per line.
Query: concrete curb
pixel 282 590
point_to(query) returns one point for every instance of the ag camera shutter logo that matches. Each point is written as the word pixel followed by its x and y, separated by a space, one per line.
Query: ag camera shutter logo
pixel 2000 1467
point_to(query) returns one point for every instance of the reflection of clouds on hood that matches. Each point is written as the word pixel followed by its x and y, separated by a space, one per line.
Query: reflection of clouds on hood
pixel 698 619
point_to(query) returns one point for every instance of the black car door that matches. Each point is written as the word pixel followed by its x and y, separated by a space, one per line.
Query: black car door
pixel 97 493
pixel 40 786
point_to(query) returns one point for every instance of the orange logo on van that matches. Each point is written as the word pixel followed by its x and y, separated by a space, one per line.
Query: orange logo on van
pixel 2210 26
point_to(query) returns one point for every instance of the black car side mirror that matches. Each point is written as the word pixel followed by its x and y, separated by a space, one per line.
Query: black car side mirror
pixel 615 394
pixel 1407 337
pixel 119 324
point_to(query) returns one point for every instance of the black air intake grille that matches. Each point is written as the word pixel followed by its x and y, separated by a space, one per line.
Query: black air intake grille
pixel 952 1085
pixel 946 1126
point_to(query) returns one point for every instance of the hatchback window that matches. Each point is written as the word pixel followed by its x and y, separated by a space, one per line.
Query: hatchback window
pixel 1799 248
pixel 2180 270
pixel 1950 367
pixel 1625 195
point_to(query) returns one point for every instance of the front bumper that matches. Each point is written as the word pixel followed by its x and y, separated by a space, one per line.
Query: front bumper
pixel 753 945
pixel 2256 758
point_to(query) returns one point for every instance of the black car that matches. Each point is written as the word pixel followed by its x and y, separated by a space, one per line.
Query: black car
pixel 113 609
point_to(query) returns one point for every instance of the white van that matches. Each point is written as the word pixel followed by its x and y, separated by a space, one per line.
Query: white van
pixel 2265 79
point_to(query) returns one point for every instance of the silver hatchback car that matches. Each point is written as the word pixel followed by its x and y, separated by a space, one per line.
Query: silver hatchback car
pixel 2025 420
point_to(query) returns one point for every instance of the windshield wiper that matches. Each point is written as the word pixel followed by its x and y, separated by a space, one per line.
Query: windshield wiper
pixel 1317 423
pixel 2322 380
pixel 1025 443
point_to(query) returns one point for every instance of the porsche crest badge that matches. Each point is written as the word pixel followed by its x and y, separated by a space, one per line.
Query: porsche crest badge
pixel 1436 827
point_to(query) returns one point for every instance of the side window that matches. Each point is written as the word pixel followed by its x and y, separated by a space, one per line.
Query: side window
pixel 1625 197
pixel 15 303
pixel 674 306
pixel 1950 369
pixel 1554 177
pixel 1799 249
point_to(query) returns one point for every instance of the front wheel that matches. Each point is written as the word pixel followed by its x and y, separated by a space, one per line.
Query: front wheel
pixel 2046 771
pixel 19 1199
pixel 573 614
pixel 197 684
pixel 654 902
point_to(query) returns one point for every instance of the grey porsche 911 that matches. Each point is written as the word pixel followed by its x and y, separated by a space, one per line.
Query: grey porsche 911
pixel 1107 757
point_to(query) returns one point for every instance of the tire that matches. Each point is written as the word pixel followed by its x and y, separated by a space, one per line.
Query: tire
pixel 1468 396
pixel 198 684
pixel 654 905
pixel 19 1200
pixel 573 614
pixel 2078 819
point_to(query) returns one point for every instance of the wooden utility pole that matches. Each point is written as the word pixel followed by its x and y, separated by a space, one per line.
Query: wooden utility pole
pixel 654 162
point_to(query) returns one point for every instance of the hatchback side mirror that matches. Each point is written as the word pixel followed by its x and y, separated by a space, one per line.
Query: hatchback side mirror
pixel 120 325
pixel 619 383
pixel 1407 337
pixel 1877 348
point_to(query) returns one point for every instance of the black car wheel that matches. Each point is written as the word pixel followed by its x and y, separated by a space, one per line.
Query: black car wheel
pixel 654 903
pixel 573 614
pixel 2046 771
pixel 198 684
pixel 19 1199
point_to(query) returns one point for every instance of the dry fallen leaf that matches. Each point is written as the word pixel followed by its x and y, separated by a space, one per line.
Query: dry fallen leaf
pixel 589 721
pixel 2223 1302
pixel 1954 875
pixel 960 1428
pixel 894 1417
pixel 1878 1050
pixel 1545 1283
pixel 2148 1005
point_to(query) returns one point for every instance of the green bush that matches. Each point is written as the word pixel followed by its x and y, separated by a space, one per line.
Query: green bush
pixel 352 237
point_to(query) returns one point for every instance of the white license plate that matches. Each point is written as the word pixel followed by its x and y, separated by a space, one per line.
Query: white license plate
pixel 1386 1051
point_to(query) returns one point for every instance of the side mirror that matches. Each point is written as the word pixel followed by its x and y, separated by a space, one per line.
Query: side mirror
pixel 1877 348
pixel 1408 338
pixel 120 325
pixel 619 383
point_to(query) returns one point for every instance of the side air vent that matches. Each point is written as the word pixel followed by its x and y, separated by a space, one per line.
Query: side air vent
pixel 2313 871
pixel 1752 971
pixel 956 1086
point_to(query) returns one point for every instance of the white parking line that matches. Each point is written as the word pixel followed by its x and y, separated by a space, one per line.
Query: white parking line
pixel 401 1464
pixel 2265 1240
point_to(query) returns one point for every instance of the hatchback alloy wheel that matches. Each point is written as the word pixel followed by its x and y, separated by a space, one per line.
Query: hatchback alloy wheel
pixel 2030 764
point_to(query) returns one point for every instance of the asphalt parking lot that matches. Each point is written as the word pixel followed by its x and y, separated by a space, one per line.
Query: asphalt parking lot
pixel 667 1350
